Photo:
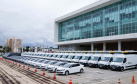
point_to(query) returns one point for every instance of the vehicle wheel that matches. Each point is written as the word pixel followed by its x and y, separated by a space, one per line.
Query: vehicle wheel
pixel 108 67
pixel 136 67
pixel 96 66
pixel 122 69
pixel 81 70
pixel 67 73
pixel 89 65
pixel 111 69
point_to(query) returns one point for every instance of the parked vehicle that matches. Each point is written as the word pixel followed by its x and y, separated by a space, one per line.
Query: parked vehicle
pixel 33 61
pixel 95 58
pixel 65 55
pixel 50 63
pixel 49 56
pixel 105 61
pixel 41 62
pixel 42 65
pixel 70 68
pixel 84 60
pixel 124 61
pixel 54 67
pixel 70 57
pixel 59 56
pixel 77 58
pixel 54 56
pixel 37 62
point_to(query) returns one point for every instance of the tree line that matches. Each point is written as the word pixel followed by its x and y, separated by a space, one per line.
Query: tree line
pixel 7 49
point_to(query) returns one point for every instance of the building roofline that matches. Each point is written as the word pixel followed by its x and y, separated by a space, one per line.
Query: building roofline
pixel 86 9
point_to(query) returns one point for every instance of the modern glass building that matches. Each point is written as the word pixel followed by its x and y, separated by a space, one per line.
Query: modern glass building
pixel 104 25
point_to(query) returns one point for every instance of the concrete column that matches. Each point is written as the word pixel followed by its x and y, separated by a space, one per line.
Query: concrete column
pixel 104 46
pixel 119 45
pixel 92 47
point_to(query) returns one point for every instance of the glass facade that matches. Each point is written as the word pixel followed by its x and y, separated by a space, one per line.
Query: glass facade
pixel 115 19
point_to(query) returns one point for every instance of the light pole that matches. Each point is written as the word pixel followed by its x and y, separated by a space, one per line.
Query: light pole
pixel 43 47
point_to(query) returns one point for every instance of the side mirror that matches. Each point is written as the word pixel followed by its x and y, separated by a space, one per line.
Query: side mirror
pixel 111 59
pixel 99 58
pixel 124 61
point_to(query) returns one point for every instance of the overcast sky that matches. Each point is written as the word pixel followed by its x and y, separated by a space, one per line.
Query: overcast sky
pixel 33 20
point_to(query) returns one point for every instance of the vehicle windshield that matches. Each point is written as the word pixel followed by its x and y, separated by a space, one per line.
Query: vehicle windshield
pixel 49 62
pixel 98 53
pixel 50 55
pixel 54 56
pixel 58 56
pixel 67 65
pixel 90 53
pixel 82 52
pixel 47 55
pixel 77 57
pixel 94 58
pixel 36 60
pixel 85 58
pixel 46 62
pixel 53 63
pixel 41 60
pixel 106 53
pixel 118 53
pixel 77 52
pixel 64 56
pixel 118 59
pixel 31 59
pixel 70 57
pixel 57 64
pixel 105 58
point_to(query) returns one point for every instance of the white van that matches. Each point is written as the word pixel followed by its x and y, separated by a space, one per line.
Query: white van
pixel 84 60
pixel 76 58
pixel 54 56
pixel 123 61
pixel 70 57
pixel 49 55
pixel 65 55
pixel 59 55
pixel 105 61
pixel 95 58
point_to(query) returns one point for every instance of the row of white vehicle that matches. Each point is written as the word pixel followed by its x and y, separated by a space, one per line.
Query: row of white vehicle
pixel 110 60
pixel 49 65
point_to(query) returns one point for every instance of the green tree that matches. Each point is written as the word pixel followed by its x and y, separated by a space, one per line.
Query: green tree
pixel 1 49
pixel 1 46
pixel 6 49
pixel 27 48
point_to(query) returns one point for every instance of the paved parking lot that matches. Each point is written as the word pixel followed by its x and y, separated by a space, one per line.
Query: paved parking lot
pixel 96 76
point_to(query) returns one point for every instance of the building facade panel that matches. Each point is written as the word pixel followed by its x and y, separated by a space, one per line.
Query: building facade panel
pixel 114 19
